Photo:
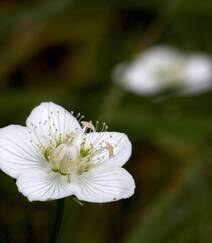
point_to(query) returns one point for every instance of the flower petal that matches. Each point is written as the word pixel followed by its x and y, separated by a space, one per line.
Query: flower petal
pixel 198 69
pixel 43 185
pixel 16 151
pixel 50 121
pixel 197 74
pixel 104 184
pixel 121 145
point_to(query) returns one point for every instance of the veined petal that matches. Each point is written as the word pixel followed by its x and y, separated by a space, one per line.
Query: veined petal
pixel 17 152
pixel 104 184
pixel 50 121
pixel 119 142
pixel 43 185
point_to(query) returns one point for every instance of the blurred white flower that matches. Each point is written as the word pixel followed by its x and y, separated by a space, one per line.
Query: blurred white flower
pixel 162 68
pixel 54 157
pixel 197 73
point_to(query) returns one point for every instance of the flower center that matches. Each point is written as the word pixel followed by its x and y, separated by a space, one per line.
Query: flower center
pixel 169 75
pixel 64 159
pixel 72 155
pixel 67 157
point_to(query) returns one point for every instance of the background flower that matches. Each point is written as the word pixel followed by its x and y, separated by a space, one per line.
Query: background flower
pixel 197 73
pixel 162 68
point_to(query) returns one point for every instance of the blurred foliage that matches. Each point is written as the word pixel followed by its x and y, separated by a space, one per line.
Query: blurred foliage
pixel 64 51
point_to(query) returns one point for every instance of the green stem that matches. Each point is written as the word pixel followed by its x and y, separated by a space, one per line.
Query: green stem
pixel 58 221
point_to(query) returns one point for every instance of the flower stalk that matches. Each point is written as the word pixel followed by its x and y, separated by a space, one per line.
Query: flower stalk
pixel 58 221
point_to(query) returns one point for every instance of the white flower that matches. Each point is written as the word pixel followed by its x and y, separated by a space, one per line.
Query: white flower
pixel 54 157
pixel 160 68
pixel 197 73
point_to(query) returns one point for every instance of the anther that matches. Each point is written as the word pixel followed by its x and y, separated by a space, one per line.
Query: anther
pixel 82 117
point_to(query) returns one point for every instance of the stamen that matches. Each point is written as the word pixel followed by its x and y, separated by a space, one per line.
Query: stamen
pixel 97 123
pixel 78 115
pixel 88 125
pixel 103 126
pixel 109 147
pixel 81 117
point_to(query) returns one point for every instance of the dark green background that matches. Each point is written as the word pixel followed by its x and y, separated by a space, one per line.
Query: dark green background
pixel 64 51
